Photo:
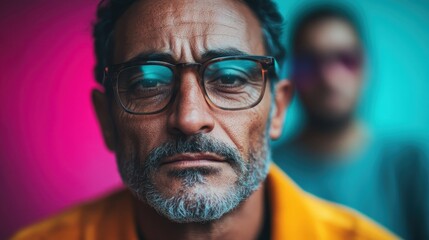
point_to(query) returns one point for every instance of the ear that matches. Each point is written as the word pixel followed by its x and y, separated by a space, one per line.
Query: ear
pixel 101 105
pixel 283 96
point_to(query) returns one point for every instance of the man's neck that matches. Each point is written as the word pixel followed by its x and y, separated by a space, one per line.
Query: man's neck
pixel 336 142
pixel 244 222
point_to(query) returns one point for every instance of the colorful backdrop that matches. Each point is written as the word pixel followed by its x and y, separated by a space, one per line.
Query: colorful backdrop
pixel 51 151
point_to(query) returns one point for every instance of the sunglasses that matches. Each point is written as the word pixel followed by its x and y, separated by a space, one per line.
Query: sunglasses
pixel 310 62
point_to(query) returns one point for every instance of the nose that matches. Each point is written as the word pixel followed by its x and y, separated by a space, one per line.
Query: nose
pixel 190 114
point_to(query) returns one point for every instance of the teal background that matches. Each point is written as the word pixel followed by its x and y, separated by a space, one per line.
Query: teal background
pixel 395 96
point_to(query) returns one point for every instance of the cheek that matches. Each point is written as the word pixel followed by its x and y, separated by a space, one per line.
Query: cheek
pixel 137 135
pixel 349 85
pixel 247 128
pixel 357 82
pixel 354 91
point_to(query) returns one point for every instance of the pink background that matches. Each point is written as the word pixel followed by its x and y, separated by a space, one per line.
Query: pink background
pixel 51 151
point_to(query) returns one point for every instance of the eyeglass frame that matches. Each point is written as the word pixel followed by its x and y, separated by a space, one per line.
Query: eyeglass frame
pixel 267 64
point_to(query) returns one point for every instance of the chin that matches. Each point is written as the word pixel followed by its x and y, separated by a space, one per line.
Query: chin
pixel 330 120
pixel 189 196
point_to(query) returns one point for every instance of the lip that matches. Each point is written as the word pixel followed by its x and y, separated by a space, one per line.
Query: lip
pixel 192 158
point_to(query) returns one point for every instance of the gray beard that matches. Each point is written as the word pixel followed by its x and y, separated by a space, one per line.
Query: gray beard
pixel 195 202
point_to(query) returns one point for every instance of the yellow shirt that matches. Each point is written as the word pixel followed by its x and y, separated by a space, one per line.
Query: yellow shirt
pixel 294 215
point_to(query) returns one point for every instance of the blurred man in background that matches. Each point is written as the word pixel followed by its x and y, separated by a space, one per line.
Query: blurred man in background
pixel 335 157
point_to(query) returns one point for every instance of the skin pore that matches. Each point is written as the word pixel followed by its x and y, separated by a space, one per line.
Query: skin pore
pixel 186 30
pixel 330 95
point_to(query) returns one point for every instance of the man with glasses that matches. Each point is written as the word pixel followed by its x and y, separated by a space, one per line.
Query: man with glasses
pixel 335 157
pixel 190 104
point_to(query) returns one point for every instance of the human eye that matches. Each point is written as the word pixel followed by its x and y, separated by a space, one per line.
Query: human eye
pixel 142 81
pixel 228 78
pixel 232 75
pixel 145 81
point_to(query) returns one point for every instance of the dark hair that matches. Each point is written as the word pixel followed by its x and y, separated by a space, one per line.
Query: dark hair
pixel 319 12
pixel 109 11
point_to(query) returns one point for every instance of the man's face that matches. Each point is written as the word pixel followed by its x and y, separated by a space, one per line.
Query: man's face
pixel 192 161
pixel 328 70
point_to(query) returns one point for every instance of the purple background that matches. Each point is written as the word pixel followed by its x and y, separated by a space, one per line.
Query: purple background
pixel 52 154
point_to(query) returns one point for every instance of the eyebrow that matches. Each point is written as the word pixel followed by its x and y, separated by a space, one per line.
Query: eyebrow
pixel 168 57
pixel 154 56
pixel 215 53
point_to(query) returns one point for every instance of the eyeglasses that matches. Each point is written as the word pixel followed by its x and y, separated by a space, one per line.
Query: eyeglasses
pixel 309 62
pixel 229 83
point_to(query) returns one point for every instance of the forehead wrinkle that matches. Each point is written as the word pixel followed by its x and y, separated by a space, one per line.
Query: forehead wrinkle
pixel 177 48
pixel 210 43
pixel 206 23
pixel 196 25
pixel 172 18
pixel 200 43
pixel 201 35
pixel 165 28
pixel 227 15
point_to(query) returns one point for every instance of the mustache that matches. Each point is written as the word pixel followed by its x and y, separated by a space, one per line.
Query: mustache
pixel 199 143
